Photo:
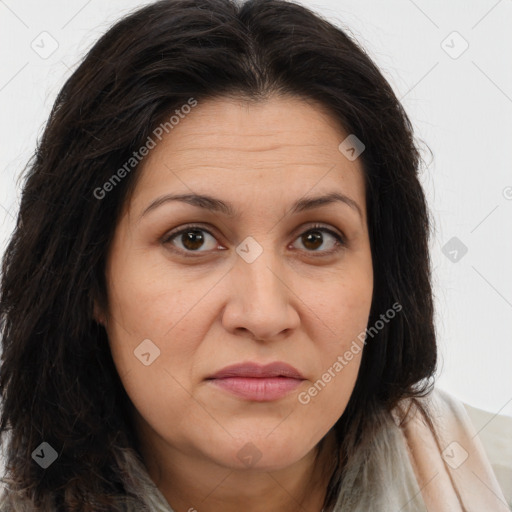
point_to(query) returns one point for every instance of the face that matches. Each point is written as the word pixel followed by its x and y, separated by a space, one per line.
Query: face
pixel 250 278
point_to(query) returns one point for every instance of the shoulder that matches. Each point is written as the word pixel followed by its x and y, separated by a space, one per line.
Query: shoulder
pixel 448 458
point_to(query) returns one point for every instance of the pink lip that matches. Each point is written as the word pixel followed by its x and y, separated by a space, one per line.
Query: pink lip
pixel 258 383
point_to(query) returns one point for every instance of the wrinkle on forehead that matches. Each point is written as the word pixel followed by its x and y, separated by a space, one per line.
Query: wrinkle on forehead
pixel 276 137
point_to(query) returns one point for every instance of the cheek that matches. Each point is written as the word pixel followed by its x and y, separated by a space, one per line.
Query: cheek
pixel 154 325
pixel 147 300
pixel 327 397
pixel 330 388
pixel 342 311
pixel 342 307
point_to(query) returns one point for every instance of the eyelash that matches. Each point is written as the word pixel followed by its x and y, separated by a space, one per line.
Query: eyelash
pixel 341 244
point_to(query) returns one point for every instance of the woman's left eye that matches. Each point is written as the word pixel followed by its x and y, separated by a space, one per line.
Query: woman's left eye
pixel 193 238
pixel 313 238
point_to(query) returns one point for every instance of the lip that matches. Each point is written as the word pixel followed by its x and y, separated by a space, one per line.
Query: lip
pixel 255 370
pixel 258 383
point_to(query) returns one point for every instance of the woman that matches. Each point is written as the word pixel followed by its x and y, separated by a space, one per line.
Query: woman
pixel 218 295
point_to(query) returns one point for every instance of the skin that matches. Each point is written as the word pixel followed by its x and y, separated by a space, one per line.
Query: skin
pixel 294 303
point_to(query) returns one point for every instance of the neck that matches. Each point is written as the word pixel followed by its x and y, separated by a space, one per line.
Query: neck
pixel 194 484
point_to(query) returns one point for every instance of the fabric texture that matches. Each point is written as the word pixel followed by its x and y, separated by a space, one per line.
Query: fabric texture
pixel 495 432
pixel 406 468
pixel 450 463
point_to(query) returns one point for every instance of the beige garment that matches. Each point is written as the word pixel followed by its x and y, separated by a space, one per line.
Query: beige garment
pixel 495 432
pixel 451 467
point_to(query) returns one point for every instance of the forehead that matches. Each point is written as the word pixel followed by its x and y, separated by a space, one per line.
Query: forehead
pixel 282 146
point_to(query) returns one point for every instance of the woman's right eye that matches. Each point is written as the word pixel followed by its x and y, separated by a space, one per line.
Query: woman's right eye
pixel 191 239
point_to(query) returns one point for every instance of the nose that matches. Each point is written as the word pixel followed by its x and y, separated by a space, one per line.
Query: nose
pixel 261 300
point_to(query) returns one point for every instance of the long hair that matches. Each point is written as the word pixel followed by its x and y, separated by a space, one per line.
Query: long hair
pixel 58 383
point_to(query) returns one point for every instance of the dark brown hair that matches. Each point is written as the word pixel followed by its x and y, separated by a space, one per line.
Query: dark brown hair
pixel 58 383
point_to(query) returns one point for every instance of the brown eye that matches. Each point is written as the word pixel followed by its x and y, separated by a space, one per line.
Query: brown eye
pixel 191 239
pixel 313 240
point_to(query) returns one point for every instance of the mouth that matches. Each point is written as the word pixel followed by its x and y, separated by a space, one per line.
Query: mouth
pixel 258 383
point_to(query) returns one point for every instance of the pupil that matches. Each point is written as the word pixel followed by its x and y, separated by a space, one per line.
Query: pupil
pixel 314 238
pixel 192 239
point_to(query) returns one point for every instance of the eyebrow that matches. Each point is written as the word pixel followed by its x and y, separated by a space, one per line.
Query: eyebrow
pixel 216 205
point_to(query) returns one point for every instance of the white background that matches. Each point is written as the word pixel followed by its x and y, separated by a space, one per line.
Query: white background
pixel 460 107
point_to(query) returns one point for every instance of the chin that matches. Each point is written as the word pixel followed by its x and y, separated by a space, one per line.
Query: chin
pixel 261 454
